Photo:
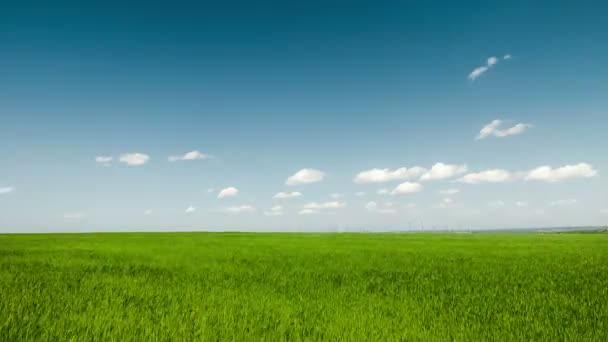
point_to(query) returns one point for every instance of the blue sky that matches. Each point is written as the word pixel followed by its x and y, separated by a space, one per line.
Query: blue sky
pixel 262 91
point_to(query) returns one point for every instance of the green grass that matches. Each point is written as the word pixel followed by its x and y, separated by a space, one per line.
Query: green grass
pixel 185 286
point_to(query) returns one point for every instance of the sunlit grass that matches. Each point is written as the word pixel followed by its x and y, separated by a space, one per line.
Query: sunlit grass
pixel 186 286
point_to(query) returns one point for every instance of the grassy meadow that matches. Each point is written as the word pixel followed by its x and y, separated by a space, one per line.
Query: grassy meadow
pixel 355 287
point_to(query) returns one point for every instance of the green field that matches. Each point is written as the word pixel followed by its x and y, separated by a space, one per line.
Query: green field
pixel 205 286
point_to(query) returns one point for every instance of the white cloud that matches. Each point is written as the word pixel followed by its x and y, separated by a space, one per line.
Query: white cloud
pixel 148 212
pixel 134 159
pixel 493 129
pixel 228 192
pixel 563 202
pixel 325 205
pixel 382 191
pixel 477 72
pixel 551 175
pixel 6 190
pixel 446 203
pixel 488 176
pixel 103 160
pixel 514 130
pixel 604 211
pixel 373 207
pixel 73 216
pixel 496 204
pixel 239 209
pixel 210 190
pixel 277 210
pixel 409 205
pixel 387 175
pixel 360 194
pixel 307 212
pixel 451 191
pixel 406 188
pixel 192 155
pixel 521 204
pixel 286 195
pixel 443 171
pixel 336 196
pixel 305 176
pixel 190 209
pixel 480 70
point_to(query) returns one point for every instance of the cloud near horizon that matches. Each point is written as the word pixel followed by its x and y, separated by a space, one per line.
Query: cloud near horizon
pixel 548 174
pixel 239 209
pixel 287 195
pixel 277 210
pixel 228 192
pixel 441 171
pixel 487 176
pixel 6 190
pixel 134 159
pixel 192 155
pixel 406 188
pixel 305 176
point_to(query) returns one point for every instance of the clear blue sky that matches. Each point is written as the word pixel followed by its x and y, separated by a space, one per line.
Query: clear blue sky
pixel 265 89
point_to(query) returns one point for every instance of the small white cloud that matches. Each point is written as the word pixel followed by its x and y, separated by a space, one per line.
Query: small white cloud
pixel 239 209
pixel 148 212
pixel 514 130
pixel 551 175
pixel 360 194
pixel 491 62
pixel 336 196
pixel 192 155
pixel 448 192
pixel 287 195
pixel 325 205
pixel 103 160
pixel 387 175
pixel 496 204
pixel 488 176
pixel 305 176
pixel 375 208
pixel 6 190
pixel 406 188
pixel 493 129
pixel 371 206
pixel 489 129
pixel 604 211
pixel 228 192
pixel 409 206
pixel 73 216
pixel 446 203
pixel 190 209
pixel 521 204
pixel 277 210
pixel 477 72
pixel 563 202
pixel 134 159
pixel 443 171
pixel 307 212
pixel 383 191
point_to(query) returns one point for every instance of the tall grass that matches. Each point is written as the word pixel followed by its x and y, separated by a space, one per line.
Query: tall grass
pixel 198 286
